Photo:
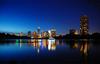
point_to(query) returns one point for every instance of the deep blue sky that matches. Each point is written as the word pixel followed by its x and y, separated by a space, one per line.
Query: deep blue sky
pixel 25 15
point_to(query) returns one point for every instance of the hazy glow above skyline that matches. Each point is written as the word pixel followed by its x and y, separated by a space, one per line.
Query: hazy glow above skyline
pixel 27 15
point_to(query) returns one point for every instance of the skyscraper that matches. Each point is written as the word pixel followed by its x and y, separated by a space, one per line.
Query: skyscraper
pixel 84 25
pixel 35 35
pixel 29 33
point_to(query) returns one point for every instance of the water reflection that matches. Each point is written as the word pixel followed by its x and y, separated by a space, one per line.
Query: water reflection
pixel 51 45
pixel 57 47
pixel 83 46
pixel 38 43
pixel 84 49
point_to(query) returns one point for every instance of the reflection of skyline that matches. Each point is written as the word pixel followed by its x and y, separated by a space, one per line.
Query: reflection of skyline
pixel 39 46
pixel 52 44
pixel 38 43
pixel 84 48
pixel 83 45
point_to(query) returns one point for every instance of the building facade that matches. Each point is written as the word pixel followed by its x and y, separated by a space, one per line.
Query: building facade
pixel 84 25
pixel 53 32
pixel 29 34
pixel 45 34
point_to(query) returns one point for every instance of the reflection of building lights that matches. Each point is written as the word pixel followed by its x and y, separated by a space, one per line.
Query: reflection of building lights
pixel 51 45
pixel 75 45
pixel 20 45
pixel 34 44
pixel 32 37
pixel 38 50
pixel 84 48
pixel 39 40
pixel 44 43
pixel 81 49
pixel 17 41
pixel 57 42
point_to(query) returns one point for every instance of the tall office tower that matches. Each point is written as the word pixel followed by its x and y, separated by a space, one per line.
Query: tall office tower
pixel 35 35
pixel 84 25
pixel 29 33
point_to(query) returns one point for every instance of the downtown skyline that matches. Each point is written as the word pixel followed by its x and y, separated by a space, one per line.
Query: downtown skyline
pixel 63 15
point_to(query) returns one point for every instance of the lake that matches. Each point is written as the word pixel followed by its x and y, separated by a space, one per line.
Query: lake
pixel 49 51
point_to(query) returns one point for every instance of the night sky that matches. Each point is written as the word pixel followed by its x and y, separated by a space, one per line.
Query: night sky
pixel 27 15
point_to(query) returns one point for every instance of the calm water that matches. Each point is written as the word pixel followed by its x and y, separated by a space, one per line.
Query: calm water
pixel 49 52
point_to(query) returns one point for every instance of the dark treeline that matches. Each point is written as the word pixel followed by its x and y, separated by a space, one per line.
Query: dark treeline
pixel 71 36
pixel 9 36
pixel 67 36
pixel 95 37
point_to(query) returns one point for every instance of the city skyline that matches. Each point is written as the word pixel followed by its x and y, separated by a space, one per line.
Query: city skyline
pixel 63 15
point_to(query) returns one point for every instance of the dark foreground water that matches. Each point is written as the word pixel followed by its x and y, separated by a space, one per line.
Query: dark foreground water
pixel 49 52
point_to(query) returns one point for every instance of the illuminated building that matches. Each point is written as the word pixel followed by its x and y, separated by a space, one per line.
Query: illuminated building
pixel 49 31
pixel 45 34
pixel 45 42
pixel 29 34
pixel 21 34
pixel 83 25
pixel 39 35
pixel 35 35
pixel 53 32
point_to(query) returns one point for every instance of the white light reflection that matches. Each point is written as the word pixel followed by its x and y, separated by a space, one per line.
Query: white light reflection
pixel 51 44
